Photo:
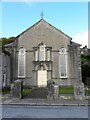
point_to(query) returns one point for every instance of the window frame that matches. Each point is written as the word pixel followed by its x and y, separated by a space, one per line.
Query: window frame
pixel 36 54
pixel 48 54
pixel 42 51
pixel 24 64
pixel 62 53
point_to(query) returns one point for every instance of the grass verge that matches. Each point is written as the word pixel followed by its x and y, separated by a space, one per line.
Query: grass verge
pixel 66 90
pixel 26 92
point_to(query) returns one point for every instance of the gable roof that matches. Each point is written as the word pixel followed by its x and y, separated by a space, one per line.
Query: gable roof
pixel 42 20
pixel 75 44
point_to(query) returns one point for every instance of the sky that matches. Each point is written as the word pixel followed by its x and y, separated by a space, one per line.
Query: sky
pixel 69 17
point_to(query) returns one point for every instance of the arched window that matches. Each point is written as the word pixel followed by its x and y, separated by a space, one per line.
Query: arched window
pixel 42 53
pixel 21 63
pixel 63 63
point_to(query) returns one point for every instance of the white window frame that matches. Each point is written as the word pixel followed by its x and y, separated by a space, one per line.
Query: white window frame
pixel 21 50
pixel 64 53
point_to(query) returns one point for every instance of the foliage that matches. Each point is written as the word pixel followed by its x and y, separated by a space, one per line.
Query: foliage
pixel 4 40
pixel 87 92
pixel 85 58
pixel 85 71
pixel 85 68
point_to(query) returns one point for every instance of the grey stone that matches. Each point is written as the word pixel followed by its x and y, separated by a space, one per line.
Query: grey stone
pixel 16 89
pixel 79 91
pixel 56 91
pixel 50 90
pixel 12 87
pixel 43 32
pixel 53 91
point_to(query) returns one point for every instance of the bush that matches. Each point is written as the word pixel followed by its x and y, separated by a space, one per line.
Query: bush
pixel 87 92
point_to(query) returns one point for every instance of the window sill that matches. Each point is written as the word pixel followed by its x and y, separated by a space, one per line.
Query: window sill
pixel 43 61
pixel 20 77
pixel 46 70
pixel 64 77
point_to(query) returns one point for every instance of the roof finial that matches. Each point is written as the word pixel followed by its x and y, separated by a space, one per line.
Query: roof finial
pixel 42 15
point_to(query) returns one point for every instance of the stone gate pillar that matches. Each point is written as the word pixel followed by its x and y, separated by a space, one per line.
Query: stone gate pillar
pixel 79 91
pixel 17 89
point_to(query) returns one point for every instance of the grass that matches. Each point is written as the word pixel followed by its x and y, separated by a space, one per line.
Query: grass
pixel 5 90
pixel 26 92
pixel 62 90
pixel 66 90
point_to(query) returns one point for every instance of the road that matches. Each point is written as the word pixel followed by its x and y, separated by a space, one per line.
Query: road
pixel 15 111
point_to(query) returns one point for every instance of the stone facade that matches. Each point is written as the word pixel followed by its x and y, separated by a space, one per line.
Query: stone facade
pixel 30 42
pixel 5 68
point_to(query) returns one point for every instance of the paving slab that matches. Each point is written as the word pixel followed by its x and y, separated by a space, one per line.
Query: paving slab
pixel 47 101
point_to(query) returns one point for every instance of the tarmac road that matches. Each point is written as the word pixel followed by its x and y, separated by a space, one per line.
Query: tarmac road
pixel 23 111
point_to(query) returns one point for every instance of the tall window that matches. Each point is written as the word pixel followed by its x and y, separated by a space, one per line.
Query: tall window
pixel 48 55
pixel 63 63
pixel 42 53
pixel 36 55
pixel 21 63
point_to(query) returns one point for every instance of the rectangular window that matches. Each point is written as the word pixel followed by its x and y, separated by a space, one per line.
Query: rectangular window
pixel 63 65
pixel 42 53
pixel 36 55
pixel 48 55
pixel 21 63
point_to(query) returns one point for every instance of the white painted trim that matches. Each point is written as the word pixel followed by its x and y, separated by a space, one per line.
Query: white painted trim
pixel 63 76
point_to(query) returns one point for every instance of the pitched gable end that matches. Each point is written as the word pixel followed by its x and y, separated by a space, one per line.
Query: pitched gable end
pixel 46 24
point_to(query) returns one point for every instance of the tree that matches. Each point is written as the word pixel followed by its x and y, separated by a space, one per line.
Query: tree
pixel 85 64
pixel 4 40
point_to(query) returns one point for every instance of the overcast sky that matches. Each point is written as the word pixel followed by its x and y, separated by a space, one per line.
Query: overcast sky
pixel 69 17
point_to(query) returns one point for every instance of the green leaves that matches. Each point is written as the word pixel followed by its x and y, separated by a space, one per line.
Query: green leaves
pixel 85 64
pixel 4 40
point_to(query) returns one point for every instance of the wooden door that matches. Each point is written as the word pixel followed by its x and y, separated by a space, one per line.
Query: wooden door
pixel 42 78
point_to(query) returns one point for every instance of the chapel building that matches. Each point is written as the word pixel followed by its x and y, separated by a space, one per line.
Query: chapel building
pixel 43 54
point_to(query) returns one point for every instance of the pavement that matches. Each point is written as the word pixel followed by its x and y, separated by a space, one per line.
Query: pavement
pixel 61 100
